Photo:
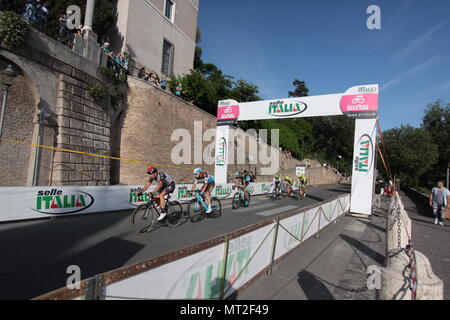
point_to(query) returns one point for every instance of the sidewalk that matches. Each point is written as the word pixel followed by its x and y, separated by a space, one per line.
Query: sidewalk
pixel 332 267
pixel 430 239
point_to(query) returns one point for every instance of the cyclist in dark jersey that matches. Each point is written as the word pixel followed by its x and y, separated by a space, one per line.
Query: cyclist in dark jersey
pixel 243 180
pixel 165 185
pixel 208 185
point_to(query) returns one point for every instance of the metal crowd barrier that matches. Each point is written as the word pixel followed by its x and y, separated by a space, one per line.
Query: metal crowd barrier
pixel 216 269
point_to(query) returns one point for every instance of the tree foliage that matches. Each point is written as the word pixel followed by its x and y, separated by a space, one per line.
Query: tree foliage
pixel 412 153
pixel 104 15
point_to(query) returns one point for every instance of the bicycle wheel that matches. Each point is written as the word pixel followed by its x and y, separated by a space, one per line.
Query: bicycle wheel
pixel 216 207
pixel 196 212
pixel 174 214
pixel 236 202
pixel 143 219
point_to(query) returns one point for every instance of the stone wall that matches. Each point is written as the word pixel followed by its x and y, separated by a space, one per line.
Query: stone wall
pixel 84 126
pixel 53 80
pixel 18 124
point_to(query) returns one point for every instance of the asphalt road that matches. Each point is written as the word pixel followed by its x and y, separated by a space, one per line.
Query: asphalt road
pixel 35 255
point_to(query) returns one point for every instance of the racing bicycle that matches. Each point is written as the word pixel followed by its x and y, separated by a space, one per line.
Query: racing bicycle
pixel 197 208
pixel 145 216
pixel 276 194
pixel 239 199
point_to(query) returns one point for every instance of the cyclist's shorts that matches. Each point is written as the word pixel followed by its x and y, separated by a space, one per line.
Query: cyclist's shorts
pixel 169 188
pixel 210 187
pixel 245 185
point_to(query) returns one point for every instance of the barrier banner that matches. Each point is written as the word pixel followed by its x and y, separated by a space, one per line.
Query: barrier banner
pixel 288 240
pixel 363 166
pixel 310 223
pixel 247 256
pixel 193 277
pixel 25 203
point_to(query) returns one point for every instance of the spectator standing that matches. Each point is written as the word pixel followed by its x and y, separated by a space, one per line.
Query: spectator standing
pixel 42 16
pixel 179 90
pixel 439 200
pixel 141 74
pixel 30 12
pixel 164 84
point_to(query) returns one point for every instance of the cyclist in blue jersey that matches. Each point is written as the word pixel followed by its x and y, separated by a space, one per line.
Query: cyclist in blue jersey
pixel 208 185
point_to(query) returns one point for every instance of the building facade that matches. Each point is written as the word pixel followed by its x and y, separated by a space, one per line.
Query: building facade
pixel 159 34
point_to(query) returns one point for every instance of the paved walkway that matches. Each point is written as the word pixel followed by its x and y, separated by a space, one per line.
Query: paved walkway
pixel 332 267
pixel 430 239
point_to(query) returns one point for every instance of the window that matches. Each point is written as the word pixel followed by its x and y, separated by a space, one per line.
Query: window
pixel 168 58
pixel 169 10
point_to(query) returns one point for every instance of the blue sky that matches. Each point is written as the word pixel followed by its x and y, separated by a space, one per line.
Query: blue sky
pixel 327 44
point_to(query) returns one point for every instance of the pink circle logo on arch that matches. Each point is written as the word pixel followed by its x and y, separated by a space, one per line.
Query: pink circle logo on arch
pixel 228 112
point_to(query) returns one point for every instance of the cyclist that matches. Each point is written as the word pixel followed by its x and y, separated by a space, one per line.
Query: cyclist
pixel 277 184
pixel 208 185
pixel 289 182
pixel 165 185
pixel 243 181
pixel 302 180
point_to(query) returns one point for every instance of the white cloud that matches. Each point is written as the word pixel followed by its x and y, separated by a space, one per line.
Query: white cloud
pixel 433 61
pixel 420 41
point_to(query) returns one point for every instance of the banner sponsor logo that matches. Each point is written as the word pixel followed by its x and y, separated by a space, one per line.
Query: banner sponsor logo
pixel 360 106
pixel 184 193
pixel 296 231
pixel 265 188
pixel 60 202
pixel 202 279
pixel 367 90
pixel 221 158
pixel 228 112
pixel 133 198
pixel 282 109
pixel 250 189
pixel 223 192
pixel 363 161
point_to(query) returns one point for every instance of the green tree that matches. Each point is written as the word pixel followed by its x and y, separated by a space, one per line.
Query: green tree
pixel 412 152
pixel 436 122
pixel 18 6
pixel 300 89
pixel 244 91
pixel 104 15
pixel 198 62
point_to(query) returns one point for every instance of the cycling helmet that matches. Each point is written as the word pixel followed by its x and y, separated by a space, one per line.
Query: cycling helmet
pixel 198 171
pixel 152 170
pixel 277 176
pixel 238 172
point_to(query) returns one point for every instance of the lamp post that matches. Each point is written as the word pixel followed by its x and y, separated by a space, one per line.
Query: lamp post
pixel 9 74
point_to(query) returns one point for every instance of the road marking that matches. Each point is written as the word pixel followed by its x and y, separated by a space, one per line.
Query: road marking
pixel 276 211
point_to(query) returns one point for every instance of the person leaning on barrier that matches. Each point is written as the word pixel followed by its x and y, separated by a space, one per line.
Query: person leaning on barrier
pixel 439 200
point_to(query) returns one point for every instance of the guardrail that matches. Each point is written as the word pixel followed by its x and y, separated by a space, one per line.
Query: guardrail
pixel 215 269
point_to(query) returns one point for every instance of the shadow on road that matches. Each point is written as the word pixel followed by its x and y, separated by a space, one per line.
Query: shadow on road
pixel 358 245
pixel 313 288
pixel 35 257
pixel 420 205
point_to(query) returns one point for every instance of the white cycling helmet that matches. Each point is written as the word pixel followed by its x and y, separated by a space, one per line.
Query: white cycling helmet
pixel 198 171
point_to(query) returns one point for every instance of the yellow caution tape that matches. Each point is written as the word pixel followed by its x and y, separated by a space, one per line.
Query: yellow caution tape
pixel 94 155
